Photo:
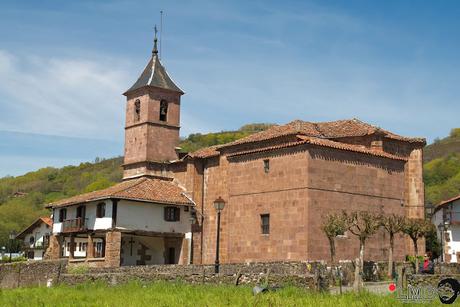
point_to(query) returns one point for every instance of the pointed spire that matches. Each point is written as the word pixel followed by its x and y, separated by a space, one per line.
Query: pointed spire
pixel 155 49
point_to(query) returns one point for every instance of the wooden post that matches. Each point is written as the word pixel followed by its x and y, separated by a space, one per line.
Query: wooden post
pixel 71 247
pixel 90 247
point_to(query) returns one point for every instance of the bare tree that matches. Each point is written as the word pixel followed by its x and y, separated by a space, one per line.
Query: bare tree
pixel 393 224
pixel 333 225
pixel 362 224
pixel 416 229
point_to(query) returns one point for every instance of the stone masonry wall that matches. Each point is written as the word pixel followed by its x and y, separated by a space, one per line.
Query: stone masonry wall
pixel 302 274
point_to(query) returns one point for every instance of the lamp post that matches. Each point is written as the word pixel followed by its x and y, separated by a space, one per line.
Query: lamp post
pixel 219 205
pixel 12 237
pixel 442 228
pixel 3 249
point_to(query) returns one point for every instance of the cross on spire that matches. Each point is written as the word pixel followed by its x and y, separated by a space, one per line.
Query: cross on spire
pixel 155 49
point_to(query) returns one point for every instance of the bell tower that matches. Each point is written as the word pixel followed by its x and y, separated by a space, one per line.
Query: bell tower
pixel 152 121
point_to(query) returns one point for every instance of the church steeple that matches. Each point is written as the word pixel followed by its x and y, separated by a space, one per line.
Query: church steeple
pixel 155 74
pixel 152 120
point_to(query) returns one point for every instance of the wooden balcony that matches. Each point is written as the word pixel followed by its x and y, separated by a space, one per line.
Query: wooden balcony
pixel 75 225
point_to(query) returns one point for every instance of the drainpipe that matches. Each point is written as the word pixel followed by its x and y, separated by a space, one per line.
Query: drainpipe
pixel 202 210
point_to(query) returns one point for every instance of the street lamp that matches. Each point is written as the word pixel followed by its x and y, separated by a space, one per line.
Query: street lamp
pixel 442 228
pixel 12 237
pixel 429 209
pixel 219 205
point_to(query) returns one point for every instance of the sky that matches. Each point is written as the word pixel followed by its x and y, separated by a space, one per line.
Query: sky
pixel 65 64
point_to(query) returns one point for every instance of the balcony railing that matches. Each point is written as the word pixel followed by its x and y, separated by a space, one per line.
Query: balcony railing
pixel 36 245
pixel 74 225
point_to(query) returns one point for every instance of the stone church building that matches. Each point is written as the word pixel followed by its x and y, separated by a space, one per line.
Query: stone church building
pixel 277 186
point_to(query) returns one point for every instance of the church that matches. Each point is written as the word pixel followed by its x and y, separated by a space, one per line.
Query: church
pixel 261 198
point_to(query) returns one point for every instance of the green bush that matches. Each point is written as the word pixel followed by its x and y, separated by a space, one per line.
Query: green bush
pixel 6 259
pixel 78 269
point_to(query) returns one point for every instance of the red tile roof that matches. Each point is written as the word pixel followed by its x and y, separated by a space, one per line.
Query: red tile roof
pixel 141 189
pixel 449 200
pixel 325 143
pixel 322 131
pixel 329 130
pixel 45 219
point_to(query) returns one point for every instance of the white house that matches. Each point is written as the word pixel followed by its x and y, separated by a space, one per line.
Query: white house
pixel 138 221
pixel 36 238
pixel 446 218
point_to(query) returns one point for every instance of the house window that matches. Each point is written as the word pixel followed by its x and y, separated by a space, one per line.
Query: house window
pixel 100 210
pixel 265 223
pixel 99 250
pixel 62 215
pixel 137 110
pixel 32 240
pixel 83 247
pixel 172 214
pixel 266 165
pixel 163 110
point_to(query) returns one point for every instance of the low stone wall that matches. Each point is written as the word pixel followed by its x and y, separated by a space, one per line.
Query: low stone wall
pixel 303 274
pixel 32 273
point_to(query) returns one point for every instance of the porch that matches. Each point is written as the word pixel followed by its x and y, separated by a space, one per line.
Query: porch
pixel 124 248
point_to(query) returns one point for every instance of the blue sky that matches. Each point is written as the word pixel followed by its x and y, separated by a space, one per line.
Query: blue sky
pixel 64 65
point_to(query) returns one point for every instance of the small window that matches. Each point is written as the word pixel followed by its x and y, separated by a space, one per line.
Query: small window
pixel 100 210
pixel 83 246
pixel 163 110
pixel 266 166
pixel 172 214
pixel 32 240
pixel 62 215
pixel 265 223
pixel 137 110
pixel 80 246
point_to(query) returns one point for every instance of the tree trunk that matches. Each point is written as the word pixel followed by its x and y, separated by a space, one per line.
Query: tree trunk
pixel 332 246
pixel 390 256
pixel 416 254
pixel 358 283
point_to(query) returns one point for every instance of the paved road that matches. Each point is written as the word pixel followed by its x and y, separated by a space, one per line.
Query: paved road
pixel 373 287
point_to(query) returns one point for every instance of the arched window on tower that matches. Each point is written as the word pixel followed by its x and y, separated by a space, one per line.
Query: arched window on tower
pixel 163 110
pixel 137 110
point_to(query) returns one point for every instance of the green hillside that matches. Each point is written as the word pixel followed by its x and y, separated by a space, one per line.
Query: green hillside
pixel 22 197
pixel 442 168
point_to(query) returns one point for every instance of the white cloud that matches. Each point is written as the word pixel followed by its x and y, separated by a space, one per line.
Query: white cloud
pixel 62 96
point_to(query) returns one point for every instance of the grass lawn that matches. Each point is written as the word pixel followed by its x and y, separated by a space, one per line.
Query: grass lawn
pixel 178 294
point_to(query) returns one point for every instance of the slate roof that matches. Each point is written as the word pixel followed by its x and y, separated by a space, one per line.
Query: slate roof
pixel 155 74
pixel 141 189
pixel 321 132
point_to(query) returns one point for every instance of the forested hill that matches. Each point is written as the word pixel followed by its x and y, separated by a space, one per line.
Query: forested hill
pixel 442 168
pixel 22 197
